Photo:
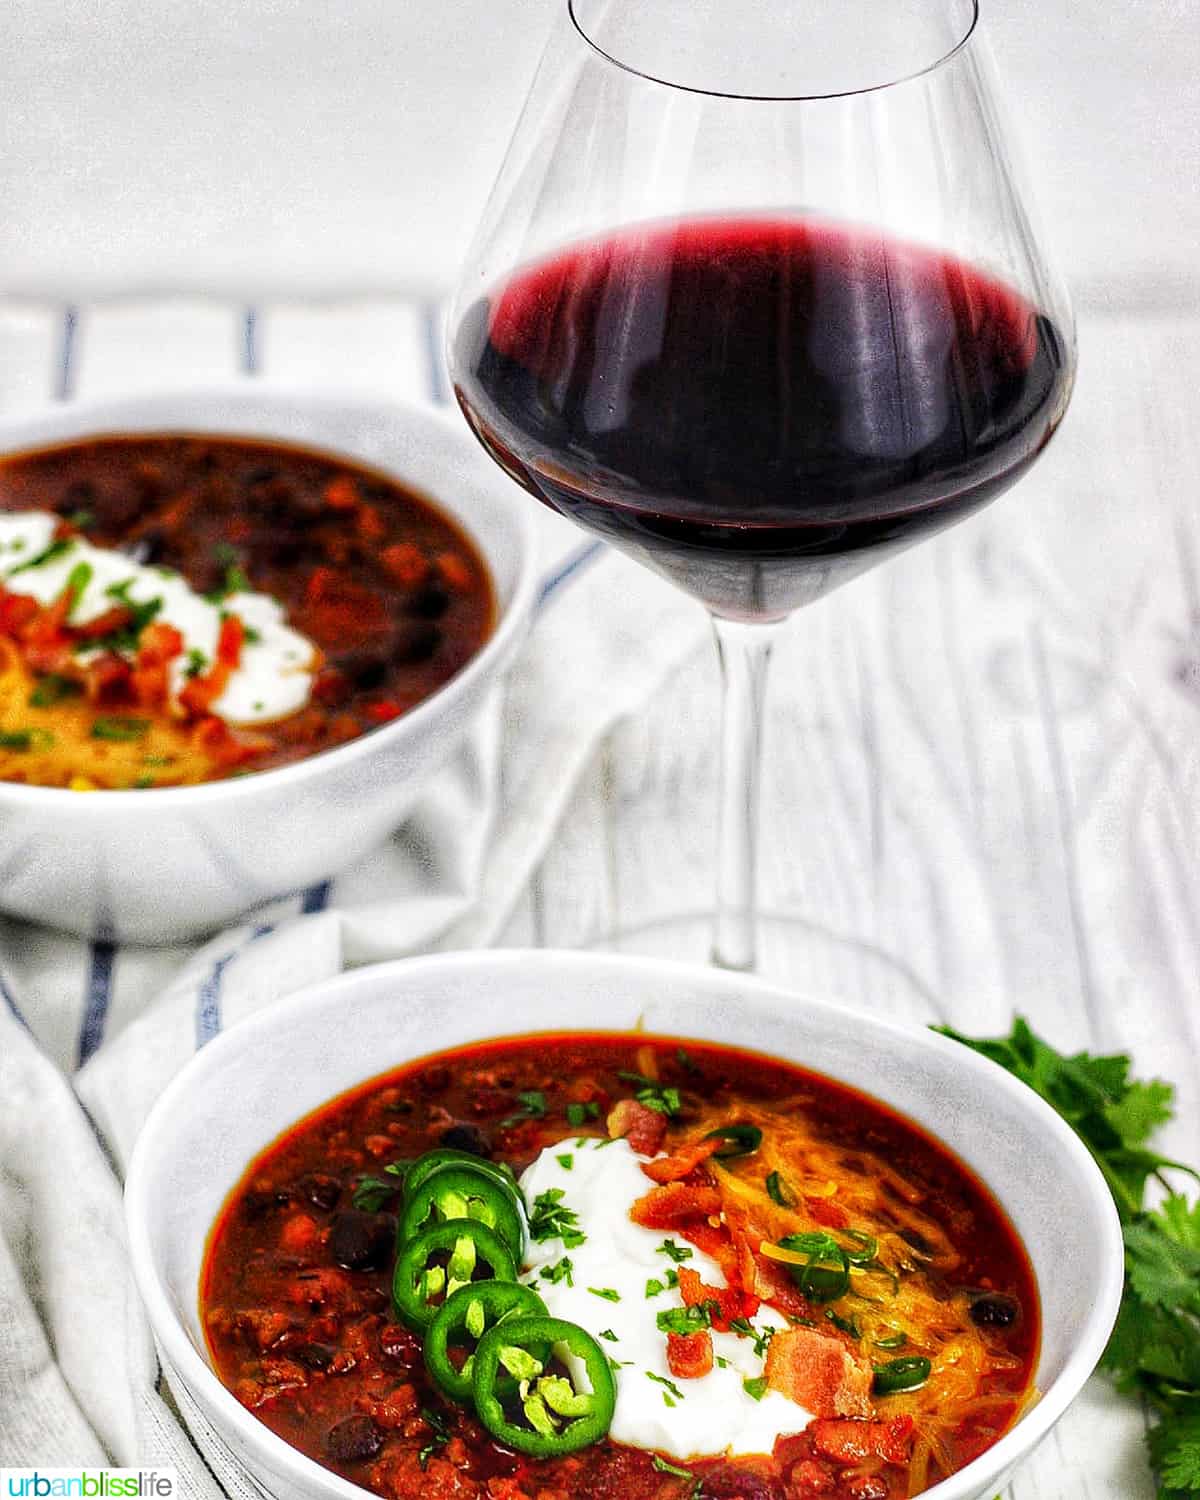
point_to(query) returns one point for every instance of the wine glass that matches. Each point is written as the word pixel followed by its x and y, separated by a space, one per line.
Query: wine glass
pixel 758 298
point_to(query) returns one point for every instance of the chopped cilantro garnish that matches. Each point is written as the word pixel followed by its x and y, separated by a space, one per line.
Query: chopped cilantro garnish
pixel 685 1320
pixel 25 739
pixel 756 1388
pixel 372 1193
pixel 552 1220
pixel 441 1436
pixel 655 1287
pixel 56 549
pixel 566 1161
pixel 610 1294
pixel 669 1386
pixel 579 1114
pixel 745 1329
pixel 663 1467
pixel 665 1101
pixel 234 582
pixel 607 1333
pixel 196 663
pixel 677 1253
pixel 561 1270
pixel 77 580
pixel 52 689
pixel 533 1107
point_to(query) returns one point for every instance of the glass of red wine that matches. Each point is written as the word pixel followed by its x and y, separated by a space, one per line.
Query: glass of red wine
pixel 758 299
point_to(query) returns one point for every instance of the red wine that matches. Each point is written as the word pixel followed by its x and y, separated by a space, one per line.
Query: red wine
pixel 760 408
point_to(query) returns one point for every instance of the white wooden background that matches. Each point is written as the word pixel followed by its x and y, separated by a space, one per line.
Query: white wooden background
pixel 984 765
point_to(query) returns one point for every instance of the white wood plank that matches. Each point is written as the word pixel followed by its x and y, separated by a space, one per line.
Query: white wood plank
pixel 151 345
pixel 30 343
pixel 372 345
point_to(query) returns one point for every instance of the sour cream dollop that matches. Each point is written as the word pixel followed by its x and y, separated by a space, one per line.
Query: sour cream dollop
pixel 606 1292
pixel 273 678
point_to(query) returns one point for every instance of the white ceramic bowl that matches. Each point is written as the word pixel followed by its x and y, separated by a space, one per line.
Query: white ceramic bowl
pixel 171 863
pixel 249 1085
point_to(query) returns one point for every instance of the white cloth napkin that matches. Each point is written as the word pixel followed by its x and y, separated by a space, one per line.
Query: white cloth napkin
pixel 90 1035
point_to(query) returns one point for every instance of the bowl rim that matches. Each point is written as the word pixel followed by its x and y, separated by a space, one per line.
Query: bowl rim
pixel 183 1357
pixel 247 391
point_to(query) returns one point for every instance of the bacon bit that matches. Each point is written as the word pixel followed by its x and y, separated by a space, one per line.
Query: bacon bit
pixel 730 1303
pixel 158 644
pixel 818 1373
pixel 850 1442
pixel 16 611
pixel 665 1207
pixel 456 573
pixel 341 493
pixel 405 564
pixel 384 711
pixel 690 1355
pixel 225 745
pixel 108 679
pixel 809 1479
pixel 644 1129
pixel 682 1164
pixel 773 1284
pixel 299 1235
pixel 111 620
pixel 828 1214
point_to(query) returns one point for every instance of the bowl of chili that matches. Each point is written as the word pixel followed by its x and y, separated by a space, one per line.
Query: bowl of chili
pixel 278 614
pixel 327 1298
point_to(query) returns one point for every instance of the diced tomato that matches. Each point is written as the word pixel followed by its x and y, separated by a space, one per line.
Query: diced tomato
pixel 405 563
pixel 850 1442
pixel 690 1355
pixel 666 1207
pixel 730 1303
pixel 455 572
pixel 341 493
pixel 230 641
pixel 644 1129
pixel 819 1373
pixel 681 1163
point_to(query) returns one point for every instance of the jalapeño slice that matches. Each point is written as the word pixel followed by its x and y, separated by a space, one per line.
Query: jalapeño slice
pixel 422 1279
pixel 453 1193
pixel 463 1319
pixel 549 1416
pixel 447 1156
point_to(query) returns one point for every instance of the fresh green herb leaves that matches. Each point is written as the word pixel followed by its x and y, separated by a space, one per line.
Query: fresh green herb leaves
pixel 746 1329
pixel 687 1320
pixel 77 580
pixel 234 582
pixel 55 550
pixel 663 1467
pixel 561 1270
pixel 610 1294
pixel 552 1220
pixel 664 1101
pixel 25 739
pixel 120 729
pixel 53 688
pixel 671 1392
pixel 372 1193
pixel 441 1436
pixel 755 1388
pixel 580 1114
pixel 533 1107
pixel 656 1287
pixel 566 1161
pixel 1154 1352
pixel 677 1253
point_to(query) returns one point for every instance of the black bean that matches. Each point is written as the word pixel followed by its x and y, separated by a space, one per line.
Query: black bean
pixel 364 669
pixel 353 1440
pixel 359 1241
pixel 414 641
pixel 995 1310
pixel 320 1190
pixel 315 1356
pixel 463 1137
pixel 430 602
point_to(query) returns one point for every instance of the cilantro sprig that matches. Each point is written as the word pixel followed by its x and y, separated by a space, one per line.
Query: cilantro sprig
pixel 1154 1352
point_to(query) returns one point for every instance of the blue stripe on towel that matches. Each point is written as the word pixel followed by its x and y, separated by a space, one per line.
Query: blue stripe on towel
pixel 250 352
pixel 96 999
pixel 439 389
pixel 65 385
pixel 10 1001
pixel 580 559
pixel 316 898
pixel 208 997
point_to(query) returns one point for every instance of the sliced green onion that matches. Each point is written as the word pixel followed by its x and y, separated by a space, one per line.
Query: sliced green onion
pixel 779 1191
pixel 902 1375
pixel 743 1140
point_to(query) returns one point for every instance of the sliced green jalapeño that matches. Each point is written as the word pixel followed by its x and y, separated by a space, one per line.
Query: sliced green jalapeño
pixel 463 1319
pixel 550 1415
pixel 455 1192
pixel 434 1264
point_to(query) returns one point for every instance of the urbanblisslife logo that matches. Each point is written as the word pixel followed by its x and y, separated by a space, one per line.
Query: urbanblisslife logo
pixel 89 1484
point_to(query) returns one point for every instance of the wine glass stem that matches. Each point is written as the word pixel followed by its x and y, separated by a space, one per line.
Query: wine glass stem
pixel 745 652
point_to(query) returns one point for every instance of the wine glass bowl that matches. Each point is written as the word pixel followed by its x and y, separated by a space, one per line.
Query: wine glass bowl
pixel 758 298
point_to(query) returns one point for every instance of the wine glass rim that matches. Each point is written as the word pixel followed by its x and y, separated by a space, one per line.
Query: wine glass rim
pixel 815 98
